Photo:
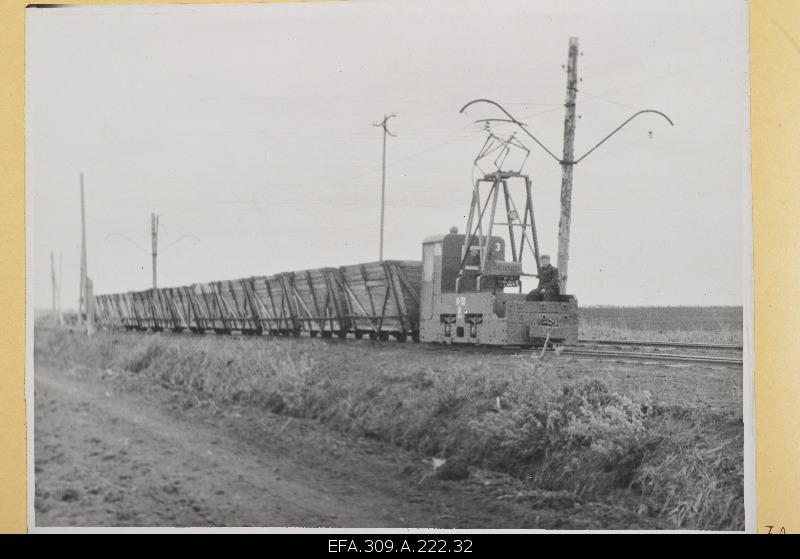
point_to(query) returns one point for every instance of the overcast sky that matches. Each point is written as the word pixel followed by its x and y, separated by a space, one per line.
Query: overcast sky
pixel 248 129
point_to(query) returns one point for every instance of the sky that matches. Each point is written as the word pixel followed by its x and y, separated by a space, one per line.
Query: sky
pixel 249 130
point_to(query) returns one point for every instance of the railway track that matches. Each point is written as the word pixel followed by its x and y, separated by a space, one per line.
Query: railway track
pixel 644 343
pixel 630 356
pixel 578 351
pixel 587 351
pixel 631 349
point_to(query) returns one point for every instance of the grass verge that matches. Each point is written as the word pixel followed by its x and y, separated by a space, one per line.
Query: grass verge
pixel 679 464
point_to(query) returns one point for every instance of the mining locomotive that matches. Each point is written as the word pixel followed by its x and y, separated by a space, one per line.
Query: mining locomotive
pixel 464 297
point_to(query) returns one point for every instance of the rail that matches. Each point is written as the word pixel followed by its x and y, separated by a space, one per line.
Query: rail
pixel 645 343
pixel 645 357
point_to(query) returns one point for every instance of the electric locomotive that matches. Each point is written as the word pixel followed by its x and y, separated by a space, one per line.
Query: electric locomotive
pixel 465 277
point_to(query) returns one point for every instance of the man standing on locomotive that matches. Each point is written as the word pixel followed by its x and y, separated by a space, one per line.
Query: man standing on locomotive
pixel 548 288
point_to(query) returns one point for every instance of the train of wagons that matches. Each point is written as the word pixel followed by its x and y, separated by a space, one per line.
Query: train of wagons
pixel 465 290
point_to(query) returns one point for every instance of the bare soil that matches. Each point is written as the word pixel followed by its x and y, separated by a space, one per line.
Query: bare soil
pixel 116 450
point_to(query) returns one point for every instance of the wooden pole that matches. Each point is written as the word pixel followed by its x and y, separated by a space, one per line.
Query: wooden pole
pixel 82 298
pixel 567 165
pixel 154 237
pixel 383 191
pixel 58 297
pixel 386 132
pixel 54 286
pixel 89 308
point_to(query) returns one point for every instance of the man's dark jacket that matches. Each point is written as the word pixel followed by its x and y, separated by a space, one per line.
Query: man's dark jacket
pixel 548 278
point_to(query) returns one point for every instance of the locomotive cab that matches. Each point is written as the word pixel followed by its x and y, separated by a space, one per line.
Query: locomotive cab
pixel 462 302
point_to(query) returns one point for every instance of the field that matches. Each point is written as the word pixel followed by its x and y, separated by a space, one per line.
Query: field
pixel 564 442
pixel 678 324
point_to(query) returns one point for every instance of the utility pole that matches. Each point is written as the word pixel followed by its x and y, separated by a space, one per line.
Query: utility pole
pixel 58 298
pixel 567 164
pixel 386 132
pixel 89 307
pixel 54 286
pixel 82 299
pixel 154 236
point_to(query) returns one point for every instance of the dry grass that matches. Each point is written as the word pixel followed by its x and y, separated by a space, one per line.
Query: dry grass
pixel 599 331
pixel 681 465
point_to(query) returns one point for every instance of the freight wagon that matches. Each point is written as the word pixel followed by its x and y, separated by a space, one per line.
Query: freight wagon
pixel 376 299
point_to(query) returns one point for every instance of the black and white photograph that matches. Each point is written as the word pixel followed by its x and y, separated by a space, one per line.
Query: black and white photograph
pixel 392 265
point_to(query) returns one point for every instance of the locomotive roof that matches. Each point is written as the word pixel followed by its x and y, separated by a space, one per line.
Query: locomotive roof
pixel 433 239
pixel 442 237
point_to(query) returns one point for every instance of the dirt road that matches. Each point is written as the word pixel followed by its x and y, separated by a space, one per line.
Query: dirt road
pixel 111 450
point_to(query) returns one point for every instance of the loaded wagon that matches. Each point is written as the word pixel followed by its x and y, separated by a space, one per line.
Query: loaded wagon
pixel 377 299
